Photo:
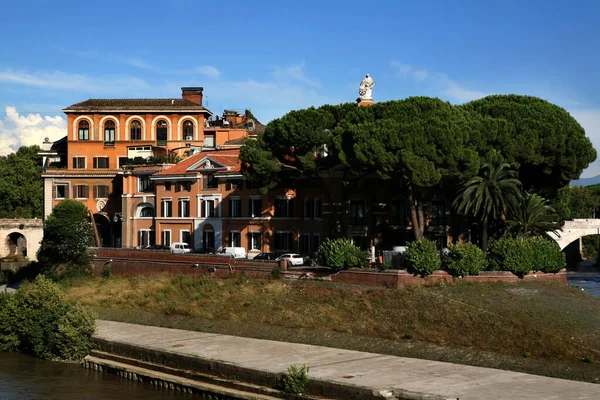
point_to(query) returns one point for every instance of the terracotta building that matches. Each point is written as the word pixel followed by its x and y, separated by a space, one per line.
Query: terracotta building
pixel 106 136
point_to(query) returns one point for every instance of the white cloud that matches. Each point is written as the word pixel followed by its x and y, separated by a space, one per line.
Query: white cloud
pixel 206 70
pixel 25 130
pixel 70 81
pixel 590 121
pixel 294 73
pixel 440 82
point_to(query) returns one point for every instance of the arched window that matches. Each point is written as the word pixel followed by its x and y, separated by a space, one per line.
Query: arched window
pixel 188 130
pixel 357 212
pixel 135 130
pixel 109 131
pixel 84 130
pixel 161 133
pixel 147 212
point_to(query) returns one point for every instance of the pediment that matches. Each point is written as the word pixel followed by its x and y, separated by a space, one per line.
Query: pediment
pixel 206 163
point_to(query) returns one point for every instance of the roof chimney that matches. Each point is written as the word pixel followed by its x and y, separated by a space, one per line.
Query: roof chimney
pixel 193 94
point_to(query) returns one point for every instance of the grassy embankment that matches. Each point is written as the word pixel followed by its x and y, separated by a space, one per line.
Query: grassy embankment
pixel 529 326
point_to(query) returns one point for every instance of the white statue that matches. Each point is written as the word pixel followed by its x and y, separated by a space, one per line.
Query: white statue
pixel 364 90
pixel 208 165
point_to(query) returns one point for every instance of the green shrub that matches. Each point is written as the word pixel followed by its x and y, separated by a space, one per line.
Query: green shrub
pixel 341 254
pixel 422 258
pixel 296 380
pixel 511 254
pixel 39 321
pixel 9 339
pixel 546 255
pixel 107 273
pixel 275 273
pixel 464 259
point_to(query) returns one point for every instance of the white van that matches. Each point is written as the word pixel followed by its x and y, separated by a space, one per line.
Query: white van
pixel 235 252
pixel 180 248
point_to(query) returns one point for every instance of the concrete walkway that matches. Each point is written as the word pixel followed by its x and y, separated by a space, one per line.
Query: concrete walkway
pixel 379 373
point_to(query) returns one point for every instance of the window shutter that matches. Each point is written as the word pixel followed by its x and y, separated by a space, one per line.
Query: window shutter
pixel 228 186
pixel 74 162
pixel 87 192
pixel 95 190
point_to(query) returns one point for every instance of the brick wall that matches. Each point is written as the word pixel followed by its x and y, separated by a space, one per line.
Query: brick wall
pixel 127 262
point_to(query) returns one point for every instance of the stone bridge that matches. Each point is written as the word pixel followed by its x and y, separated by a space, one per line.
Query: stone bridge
pixel 576 229
pixel 20 237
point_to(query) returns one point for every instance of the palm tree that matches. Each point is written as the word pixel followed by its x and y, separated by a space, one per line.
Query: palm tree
pixel 489 195
pixel 532 217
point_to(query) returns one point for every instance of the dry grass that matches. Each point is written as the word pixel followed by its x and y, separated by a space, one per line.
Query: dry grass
pixel 529 326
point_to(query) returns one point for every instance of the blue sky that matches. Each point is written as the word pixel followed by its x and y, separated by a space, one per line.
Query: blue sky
pixel 273 56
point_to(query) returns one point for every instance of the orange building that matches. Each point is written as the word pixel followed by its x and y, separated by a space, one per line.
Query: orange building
pixel 105 137
pixel 205 201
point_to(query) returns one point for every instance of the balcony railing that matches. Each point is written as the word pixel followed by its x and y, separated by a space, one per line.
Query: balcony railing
pixel 161 142
pixel 109 144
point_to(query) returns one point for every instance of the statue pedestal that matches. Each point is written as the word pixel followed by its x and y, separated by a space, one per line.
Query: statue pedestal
pixel 364 102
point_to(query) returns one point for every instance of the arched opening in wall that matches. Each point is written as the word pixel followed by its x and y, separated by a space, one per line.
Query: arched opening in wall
pixel 104 229
pixel 208 239
pixel 188 130
pixel 16 245
pixel 161 133
pixel 145 210
pixel 135 130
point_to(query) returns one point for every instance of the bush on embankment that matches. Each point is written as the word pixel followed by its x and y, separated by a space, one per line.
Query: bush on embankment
pixel 38 320
pixel 522 255
pixel 341 254
pixel 464 259
pixel 422 257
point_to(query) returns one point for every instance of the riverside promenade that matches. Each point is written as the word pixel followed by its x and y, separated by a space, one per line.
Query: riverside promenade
pixel 379 376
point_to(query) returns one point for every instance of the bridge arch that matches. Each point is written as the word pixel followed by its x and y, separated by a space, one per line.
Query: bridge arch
pixel 21 237
pixel 574 230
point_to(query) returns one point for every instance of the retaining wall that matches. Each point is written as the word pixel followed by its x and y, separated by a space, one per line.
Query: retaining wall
pixel 127 262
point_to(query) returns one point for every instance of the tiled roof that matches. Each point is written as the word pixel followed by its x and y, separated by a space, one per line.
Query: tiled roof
pixel 134 104
pixel 236 142
pixel 226 158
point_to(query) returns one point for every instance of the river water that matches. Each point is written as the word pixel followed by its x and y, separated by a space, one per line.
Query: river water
pixel 28 378
pixel 585 276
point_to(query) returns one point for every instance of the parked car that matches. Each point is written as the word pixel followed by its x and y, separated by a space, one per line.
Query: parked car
pixel 180 248
pixel 265 256
pixel 292 258
pixel 158 247
pixel 235 252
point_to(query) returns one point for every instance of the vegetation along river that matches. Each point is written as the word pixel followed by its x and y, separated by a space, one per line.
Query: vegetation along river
pixel 27 378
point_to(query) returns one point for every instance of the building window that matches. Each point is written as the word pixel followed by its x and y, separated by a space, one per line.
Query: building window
pixel 179 186
pixel 210 182
pixel 81 191
pixel 109 132
pixel 284 208
pixel 167 186
pixel 78 162
pixel 208 209
pixel 123 161
pixel 438 212
pixel 146 238
pixel 235 207
pixel 135 130
pixel 283 241
pixel 255 207
pixel 357 212
pixel 84 130
pixel 101 162
pixel 184 208
pixel 101 191
pixel 318 212
pixel 316 242
pixel 185 237
pixel 235 239
pixel 209 140
pixel 235 184
pixel 309 208
pixel 255 241
pixel 161 133
pixel 188 130
pixel 166 237
pixel 398 211
pixel 167 208
pixel 145 184
pixel 147 212
pixel 60 191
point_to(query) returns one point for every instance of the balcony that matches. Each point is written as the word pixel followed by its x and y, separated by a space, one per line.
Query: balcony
pixel 161 142
pixel 109 144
